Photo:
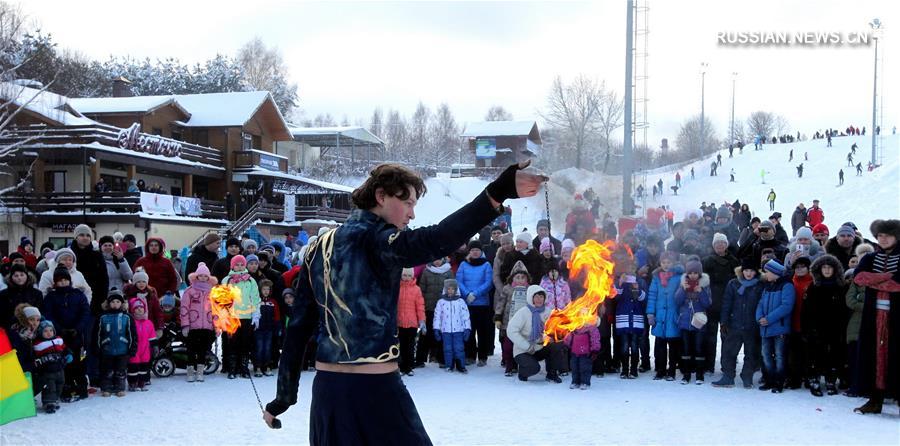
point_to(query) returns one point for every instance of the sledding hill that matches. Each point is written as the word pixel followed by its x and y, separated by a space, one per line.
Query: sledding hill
pixel 861 199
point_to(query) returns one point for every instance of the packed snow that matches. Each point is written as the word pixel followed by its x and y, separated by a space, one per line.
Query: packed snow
pixel 483 407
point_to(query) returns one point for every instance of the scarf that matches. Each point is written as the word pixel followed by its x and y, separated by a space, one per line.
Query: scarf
pixel 438 269
pixel 234 277
pixel 537 324
pixel 747 284
pixel 203 287
pixel 693 286
pixel 664 277
pixel 881 282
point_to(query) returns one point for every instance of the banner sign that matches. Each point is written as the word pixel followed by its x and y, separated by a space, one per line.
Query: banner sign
pixel 132 139
pixel 290 208
pixel 269 162
pixel 157 203
pixel 485 148
pixel 188 206
pixel 63 228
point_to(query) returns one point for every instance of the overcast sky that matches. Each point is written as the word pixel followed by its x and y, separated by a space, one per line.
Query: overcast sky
pixel 348 58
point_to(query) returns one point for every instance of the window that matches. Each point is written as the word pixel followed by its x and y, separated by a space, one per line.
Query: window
pixel 55 181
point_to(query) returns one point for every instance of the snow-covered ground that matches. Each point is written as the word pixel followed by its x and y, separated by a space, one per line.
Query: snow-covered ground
pixel 483 407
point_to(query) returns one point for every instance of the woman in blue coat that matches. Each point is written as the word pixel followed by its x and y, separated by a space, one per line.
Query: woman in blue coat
pixel 476 280
pixel 774 316
pixel 662 314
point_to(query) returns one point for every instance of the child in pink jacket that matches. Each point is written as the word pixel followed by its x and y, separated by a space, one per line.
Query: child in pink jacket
pixel 584 343
pixel 139 364
pixel 197 320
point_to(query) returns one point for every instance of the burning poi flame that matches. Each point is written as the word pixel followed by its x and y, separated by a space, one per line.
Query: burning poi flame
pixel 593 261
pixel 221 302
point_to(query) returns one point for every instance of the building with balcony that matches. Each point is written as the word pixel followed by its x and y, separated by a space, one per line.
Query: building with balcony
pixel 501 143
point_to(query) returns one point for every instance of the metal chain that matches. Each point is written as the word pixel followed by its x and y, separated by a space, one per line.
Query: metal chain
pixel 547 199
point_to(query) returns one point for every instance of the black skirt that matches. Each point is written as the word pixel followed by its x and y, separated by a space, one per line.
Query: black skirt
pixel 358 409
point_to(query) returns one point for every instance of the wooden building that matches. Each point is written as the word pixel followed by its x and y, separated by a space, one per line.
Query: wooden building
pixel 501 143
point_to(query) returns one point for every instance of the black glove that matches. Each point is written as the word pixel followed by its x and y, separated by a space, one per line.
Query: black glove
pixel 504 186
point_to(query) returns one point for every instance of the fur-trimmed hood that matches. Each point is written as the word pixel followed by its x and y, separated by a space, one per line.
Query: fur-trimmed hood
pixel 704 280
pixel 816 269
pixel 518 267
pixel 124 309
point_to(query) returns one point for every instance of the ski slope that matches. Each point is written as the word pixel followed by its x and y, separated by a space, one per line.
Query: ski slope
pixel 861 199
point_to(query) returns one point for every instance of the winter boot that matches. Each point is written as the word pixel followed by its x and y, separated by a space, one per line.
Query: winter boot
pixel 873 405
pixel 49 408
pixel 633 373
pixel 686 379
pixel 199 375
pixel 191 374
pixel 554 377
pixel 699 380
pixel 724 381
pixel 831 387
pixel 120 393
pixel 815 387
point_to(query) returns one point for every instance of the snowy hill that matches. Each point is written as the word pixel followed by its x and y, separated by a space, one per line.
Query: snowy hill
pixel 862 199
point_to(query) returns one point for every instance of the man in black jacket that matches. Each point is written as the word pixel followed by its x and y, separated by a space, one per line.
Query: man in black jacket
pixel 132 251
pixel 207 251
pixel 222 266
pixel 543 229
pixel 348 291
pixel 720 267
pixel 780 233
pixel 92 266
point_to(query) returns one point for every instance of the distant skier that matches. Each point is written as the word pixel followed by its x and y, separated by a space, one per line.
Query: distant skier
pixel 829 140
pixel 762 175
pixel 850 159
pixel 654 191
pixel 692 172
pixel 678 179
pixel 719 159
pixel 731 150
pixel 712 169
pixel 791 156
pixel 640 191
pixel 800 171
pixel 771 199
pixel 841 177
pixel 859 169
pixel 732 174
pixel 675 189
pixel 853 148
pixel 805 156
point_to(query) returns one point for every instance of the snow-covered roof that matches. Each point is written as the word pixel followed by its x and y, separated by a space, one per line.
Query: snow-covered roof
pixel 500 128
pixel 332 136
pixel 288 176
pixel 51 106
pixel 133 104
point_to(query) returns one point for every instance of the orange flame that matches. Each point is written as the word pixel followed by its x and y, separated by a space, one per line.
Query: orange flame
pixel 594 262
pixel 221 302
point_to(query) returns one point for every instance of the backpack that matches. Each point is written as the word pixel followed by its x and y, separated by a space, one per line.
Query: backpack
pixel 114 337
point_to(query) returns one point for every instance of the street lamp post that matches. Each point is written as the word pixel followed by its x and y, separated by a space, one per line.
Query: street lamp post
pixel 876 26
pixel 733 82
pixel 703 67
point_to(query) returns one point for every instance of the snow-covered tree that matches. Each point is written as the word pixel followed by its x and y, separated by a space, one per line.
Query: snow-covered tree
pixel 444 137
pixel 573 108
pixel 418 134
pixel 695 139
pixel 761 123
pixel 264 69
pixel 498 113
pixel 396 137
pixel 376 122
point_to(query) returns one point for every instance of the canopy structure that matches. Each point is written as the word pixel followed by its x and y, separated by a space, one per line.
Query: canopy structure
pixel 327 137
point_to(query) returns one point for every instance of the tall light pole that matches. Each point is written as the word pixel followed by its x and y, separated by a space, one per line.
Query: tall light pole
pixel 627 206
pixel 876 27
pixel 703 67
pixel 733 82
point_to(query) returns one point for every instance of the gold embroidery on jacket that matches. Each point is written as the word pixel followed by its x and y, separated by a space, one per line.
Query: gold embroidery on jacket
pixel 326 241
pixel 392 353
pixel 393 237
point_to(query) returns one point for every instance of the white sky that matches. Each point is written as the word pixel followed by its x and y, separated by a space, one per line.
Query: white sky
pixel 348 58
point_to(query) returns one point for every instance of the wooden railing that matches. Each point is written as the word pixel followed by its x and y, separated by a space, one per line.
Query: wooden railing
pixel 102 134
pixel 117 202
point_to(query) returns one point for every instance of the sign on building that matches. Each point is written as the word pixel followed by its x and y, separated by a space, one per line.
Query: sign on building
pixel 485 148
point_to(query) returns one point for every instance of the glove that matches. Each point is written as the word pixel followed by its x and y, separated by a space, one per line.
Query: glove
pixel 470 298
pixel 69 358
pixel 422 328
pixel 651 319
pixel 504 186
pixel 184 331
pixel 466 334
pixel 498 324
pixel 255 321
pixel 437 335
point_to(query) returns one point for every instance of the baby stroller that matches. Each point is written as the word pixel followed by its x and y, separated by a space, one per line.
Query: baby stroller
pixel 172 354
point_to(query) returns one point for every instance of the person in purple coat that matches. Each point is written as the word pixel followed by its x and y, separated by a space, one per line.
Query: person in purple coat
pixel 691 298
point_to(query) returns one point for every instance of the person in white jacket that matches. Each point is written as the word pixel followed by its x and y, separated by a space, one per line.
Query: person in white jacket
pixel 64 257
pixel 526 331
pixel 452 326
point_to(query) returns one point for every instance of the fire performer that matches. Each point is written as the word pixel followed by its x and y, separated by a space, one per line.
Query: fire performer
pixel 349 288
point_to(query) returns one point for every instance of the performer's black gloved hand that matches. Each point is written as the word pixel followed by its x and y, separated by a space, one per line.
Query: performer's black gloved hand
pixel 504 186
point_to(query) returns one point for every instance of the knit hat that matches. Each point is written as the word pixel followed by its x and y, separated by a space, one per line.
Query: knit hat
pixel 506 238
pixel 543 224
pixel 232 242
pixel 63 252
pixel 450 283
pixel 115 294
pixel 774 267
pixel 693 213
pixel 408 272
pixel 754 220
pixel 44 325
pixel 15 255
pixel 136 302
pixel 61 273
pixel 775 215
pixel 167 301
pixel 523 237
pixel 202 269
pixel 31 312
pixel 210 238
pixel 473 244
pixel 691 234
pixel 118 236
pixel 129 238
pixel 247 260
pixel 24 241
pixel 723 212
pixel 239 259
pixel 106 239
pixel 719 237
pixel 804 232
pixel 568 244
pixel 629 278
pixel 693 266
pixel 261 256
pixel 766 224
pixel 287 291
pixel 851 224
pixel 140 276
pixel 749 263
pixel 802 260
pixel 546 245
pixel 249 242
pixel 846 230
pixel 83 229
pixel 820 229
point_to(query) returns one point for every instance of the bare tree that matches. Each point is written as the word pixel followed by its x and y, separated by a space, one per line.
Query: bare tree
pixel 498 113
pixel 781 125
pixel 264 69
pixel 376 122
pixel 396 138
pixel 690 139
pixel 610 110
pixel 761 123
pixel 573 107
pixel 444 137
pixel 418 134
